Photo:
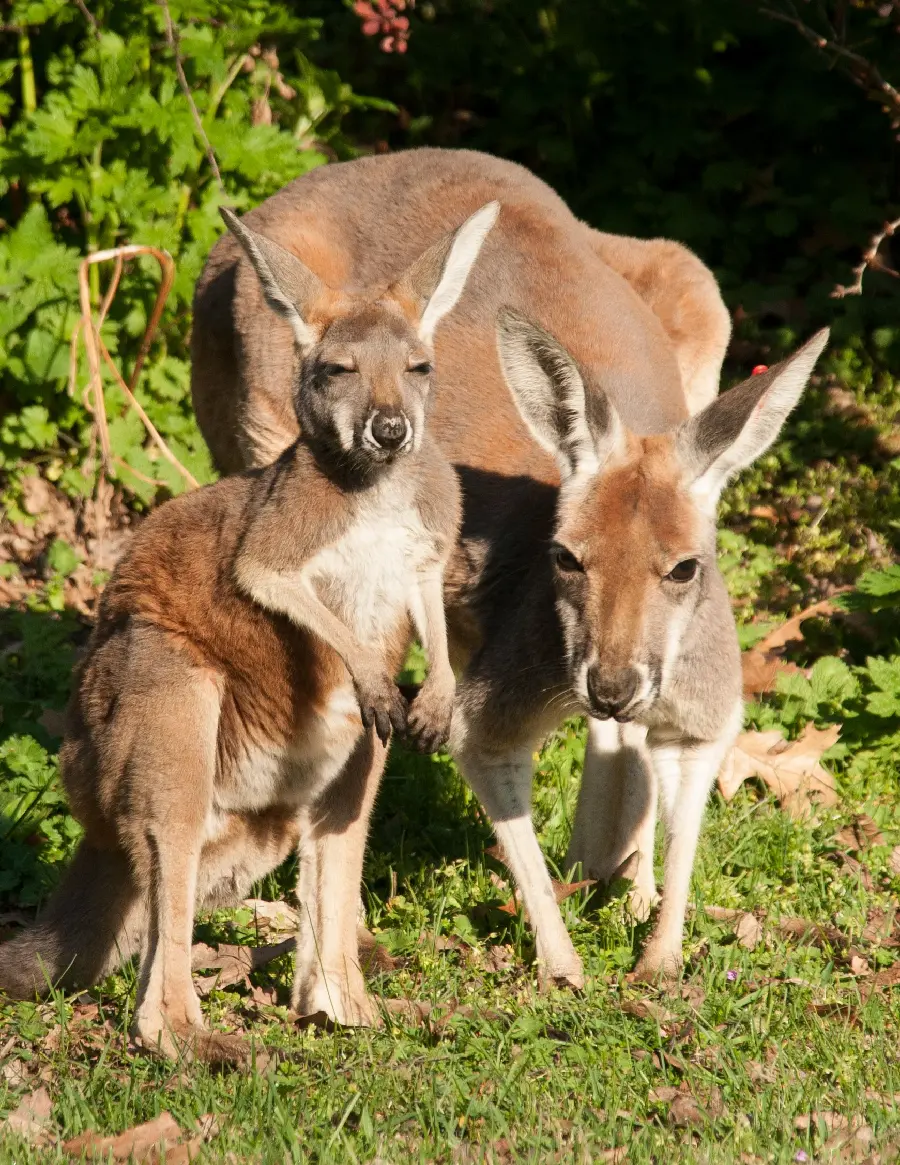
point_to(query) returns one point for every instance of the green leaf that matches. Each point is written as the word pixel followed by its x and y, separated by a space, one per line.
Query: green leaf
pixel 63 558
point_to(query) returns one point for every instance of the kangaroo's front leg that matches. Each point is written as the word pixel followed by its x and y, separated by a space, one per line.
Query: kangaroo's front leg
pixel 615 819
pixel 686 771
pixel 328 978
pixel 431 712
pixel 502 782
pixel 292 595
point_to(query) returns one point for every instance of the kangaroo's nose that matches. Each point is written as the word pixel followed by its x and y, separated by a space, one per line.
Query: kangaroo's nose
pixel 610 693
pixel 389 429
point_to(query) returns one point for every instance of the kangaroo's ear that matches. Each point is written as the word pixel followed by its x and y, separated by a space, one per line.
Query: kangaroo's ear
pixel 578 425
pixel 289 286
pixel 742 423
pixel 435 281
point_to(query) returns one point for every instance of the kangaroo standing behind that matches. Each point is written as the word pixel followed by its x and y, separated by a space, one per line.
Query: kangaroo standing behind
pixel 584 490
pixel 237 696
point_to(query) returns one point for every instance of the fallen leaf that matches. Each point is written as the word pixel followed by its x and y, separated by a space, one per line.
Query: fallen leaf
pixel 791 631
pixel 373 957
pixel 894 861
pixel 760 669
pixel 790 769
pixel 813 1120
pixel 31 1119
pixel 880 924
pixel 761 1073
pixel 749 932
pixel 498 958
pixel 694 995
pixel 276 916
pixel 859 965
pixel 844 1011
pixel 147 1142
pixel 233 963
pixel 561 891
pixel 861 833
pixel 811 932
pixel 647 1009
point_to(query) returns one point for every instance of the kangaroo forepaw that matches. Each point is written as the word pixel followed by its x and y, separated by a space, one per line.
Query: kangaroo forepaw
pixel 428 723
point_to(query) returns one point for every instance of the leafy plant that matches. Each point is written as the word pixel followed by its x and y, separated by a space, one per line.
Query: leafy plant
pixel 98 148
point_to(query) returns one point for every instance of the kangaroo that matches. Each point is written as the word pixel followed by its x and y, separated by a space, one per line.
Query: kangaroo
pixel 640 324
pixel 237 697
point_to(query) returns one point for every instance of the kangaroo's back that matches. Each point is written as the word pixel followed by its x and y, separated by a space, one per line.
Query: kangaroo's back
pixel 361 223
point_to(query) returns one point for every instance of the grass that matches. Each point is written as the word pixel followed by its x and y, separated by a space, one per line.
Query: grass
pixel 768 1042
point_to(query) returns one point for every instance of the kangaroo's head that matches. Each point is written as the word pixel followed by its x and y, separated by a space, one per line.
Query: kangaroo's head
pixel 365 365
pixel 634 550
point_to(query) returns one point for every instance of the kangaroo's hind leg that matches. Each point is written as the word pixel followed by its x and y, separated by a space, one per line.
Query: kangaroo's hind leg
pixel 328 977
pixel 170 711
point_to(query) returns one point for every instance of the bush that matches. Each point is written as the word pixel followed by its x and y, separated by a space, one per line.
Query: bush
pixel 98 148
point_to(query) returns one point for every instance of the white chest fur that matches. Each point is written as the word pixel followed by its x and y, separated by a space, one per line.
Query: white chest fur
pixel 366 577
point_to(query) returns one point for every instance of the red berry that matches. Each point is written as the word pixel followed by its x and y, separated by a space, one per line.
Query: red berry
pixel 759 368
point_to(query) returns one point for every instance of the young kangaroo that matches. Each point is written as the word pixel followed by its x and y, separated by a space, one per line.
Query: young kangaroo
pixel 238 694
pixel 647 628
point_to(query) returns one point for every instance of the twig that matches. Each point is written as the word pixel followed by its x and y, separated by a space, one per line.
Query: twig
pixel 172 39
pixel 88 16
pixel 867 77
pixel 871 259
pixel 96 349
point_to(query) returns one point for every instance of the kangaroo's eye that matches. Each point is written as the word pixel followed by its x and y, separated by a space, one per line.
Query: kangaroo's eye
pixel 422 369
pixel 565 560
pixel 683 572
pixel 337 369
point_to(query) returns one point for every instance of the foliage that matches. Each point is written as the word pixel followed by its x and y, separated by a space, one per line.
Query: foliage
pixel 704 122
pixel 98 148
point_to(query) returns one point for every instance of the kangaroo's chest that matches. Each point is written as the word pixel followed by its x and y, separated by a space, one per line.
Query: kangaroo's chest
pixel 365 577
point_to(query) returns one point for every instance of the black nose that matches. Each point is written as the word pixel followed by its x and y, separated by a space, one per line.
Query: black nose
pixel 389 429
pixel 610 692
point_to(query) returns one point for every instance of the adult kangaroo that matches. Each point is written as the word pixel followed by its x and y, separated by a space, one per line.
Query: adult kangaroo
pixel 571 354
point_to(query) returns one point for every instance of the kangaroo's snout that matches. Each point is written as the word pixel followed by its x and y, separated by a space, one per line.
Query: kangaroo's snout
pixel 388 429
pixel 611 693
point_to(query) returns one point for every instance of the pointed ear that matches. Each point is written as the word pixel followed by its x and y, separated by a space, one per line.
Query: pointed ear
pixel 435 281
pixel 579 427
pixel 290 288
pixel 742 423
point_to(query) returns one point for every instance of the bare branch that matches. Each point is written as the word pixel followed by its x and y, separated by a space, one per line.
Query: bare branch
pixel 870 259
pixel 88 16
pixel 863 73
pixel 172 39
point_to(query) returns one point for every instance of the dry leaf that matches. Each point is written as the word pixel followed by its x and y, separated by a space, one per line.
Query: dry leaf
pixel 647 1009
pixel 811 932
pixel 233 963
pixel 791 770
pixel 749 932
pixel 791 631
pixel 147 1142
pixel 373 957
pixel 812 1120
pixel 561 891
pixel 31 1119
pixel 859 965
pixel 760 669
pixel 842 1011
pixel 694 995
pixel 277 916
pixel 761 1073
pixel 862 832
pixel 880 925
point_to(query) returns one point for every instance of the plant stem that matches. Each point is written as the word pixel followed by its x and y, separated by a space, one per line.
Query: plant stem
pixel 26 69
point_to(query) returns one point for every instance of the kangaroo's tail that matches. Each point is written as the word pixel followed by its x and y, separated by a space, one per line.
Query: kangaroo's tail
pixel 93 923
